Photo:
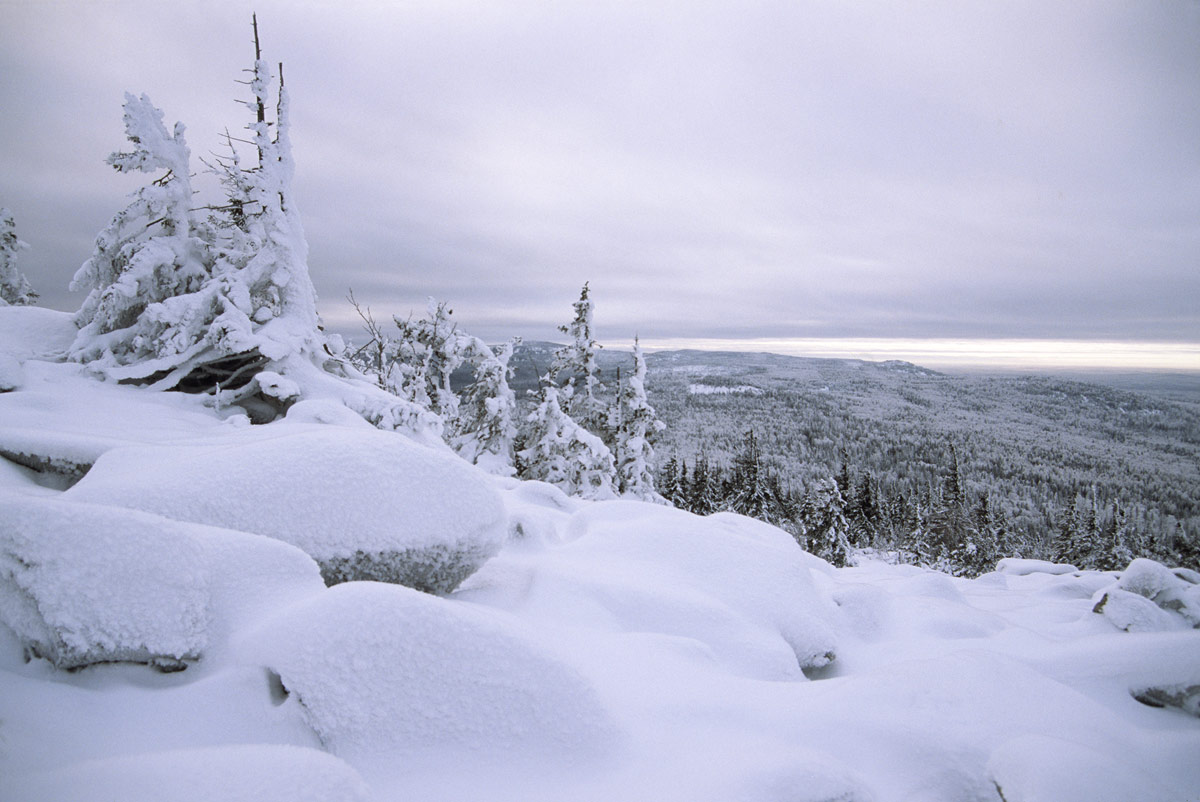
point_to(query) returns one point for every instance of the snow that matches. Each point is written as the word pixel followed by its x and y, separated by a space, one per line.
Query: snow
pixel 384 672
pixel 599 651
pixel 365 504
pixel 1017 566
pixel 254 773
pixel 84 583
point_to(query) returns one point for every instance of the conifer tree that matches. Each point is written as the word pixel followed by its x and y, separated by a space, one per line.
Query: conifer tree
pixel 486 425
pixel 637 427
pixel 575 371
pixel 822 523
pixel 148 253
pixel 201 306
pixel 560 451
pixel 14 287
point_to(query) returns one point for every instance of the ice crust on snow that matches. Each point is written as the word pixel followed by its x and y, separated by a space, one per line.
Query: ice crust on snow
pixel 365 504
pixel 384 671
pixel 241 773
pixel 85 583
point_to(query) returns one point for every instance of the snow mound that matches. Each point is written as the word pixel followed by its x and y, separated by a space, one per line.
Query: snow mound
pixel 383 671
pixel 1016 566
pixel 84 583
pixel 364 504
pixel 1035 768
pixel 1149 597
pixel 32 332
pixel 11 374
pixel 737 587
pixel 242 773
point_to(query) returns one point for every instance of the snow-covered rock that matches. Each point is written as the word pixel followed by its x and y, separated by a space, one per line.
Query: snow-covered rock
pixel 85 583
pixel 33 332
pixel 1149 597
pixel 238 773
pixel 1016 566
pixel 1035 768
pixel 736 588
pixel 364 504
pixel 385 671
pixel 11 374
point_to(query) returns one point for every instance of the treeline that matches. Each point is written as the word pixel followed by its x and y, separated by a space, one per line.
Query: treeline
pixel 941 525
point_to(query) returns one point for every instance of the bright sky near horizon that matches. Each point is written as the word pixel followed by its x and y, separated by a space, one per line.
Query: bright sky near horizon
pixel 942 179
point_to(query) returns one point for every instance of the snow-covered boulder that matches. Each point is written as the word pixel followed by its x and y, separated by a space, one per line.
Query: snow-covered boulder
pixel 1016 566
pixel 239 773
pixel 384 671
pixel 1035 768
pixel 736 589
pixel 85 583
pixel 1149 597
pixel 364 504
pixel 11 374
pixel 34 332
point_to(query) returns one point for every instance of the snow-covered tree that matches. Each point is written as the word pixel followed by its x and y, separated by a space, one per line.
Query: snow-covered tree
pixel 262 250
pixel 14 288
pixel 822 523
pixel 147 254
pixel 486 425
pixel 636 427
pixel 202 307
pixel 560 451
pixel 574 369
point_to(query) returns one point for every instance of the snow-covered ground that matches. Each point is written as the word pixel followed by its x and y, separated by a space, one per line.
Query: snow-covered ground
pixel 601 650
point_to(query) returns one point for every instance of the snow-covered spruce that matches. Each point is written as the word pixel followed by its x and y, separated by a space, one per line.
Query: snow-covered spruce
pixel 561 452
pixel 14 287
pixel 485 427
pixel 636 426
pixel 364 504
pixel 575 372
pixel 87 583
pixel 195 305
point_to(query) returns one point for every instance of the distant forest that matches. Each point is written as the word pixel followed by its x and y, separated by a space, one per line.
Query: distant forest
pixel 920 466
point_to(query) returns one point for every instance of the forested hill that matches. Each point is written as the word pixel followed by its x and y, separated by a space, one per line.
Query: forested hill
pixel 1033 443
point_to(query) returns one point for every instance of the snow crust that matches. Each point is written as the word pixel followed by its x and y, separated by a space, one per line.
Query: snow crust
pixel 365 504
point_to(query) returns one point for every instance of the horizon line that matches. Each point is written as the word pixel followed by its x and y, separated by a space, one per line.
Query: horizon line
pixel 993 352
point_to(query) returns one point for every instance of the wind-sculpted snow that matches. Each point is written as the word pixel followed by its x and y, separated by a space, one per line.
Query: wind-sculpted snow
pixel 1149 597
pixel 84 583
pixel 364 504
pixel 385 672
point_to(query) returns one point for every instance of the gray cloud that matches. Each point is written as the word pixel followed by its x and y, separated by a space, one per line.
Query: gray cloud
pixel 760 169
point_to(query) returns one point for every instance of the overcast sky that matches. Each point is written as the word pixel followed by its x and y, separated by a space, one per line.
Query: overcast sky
pixel 733 170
